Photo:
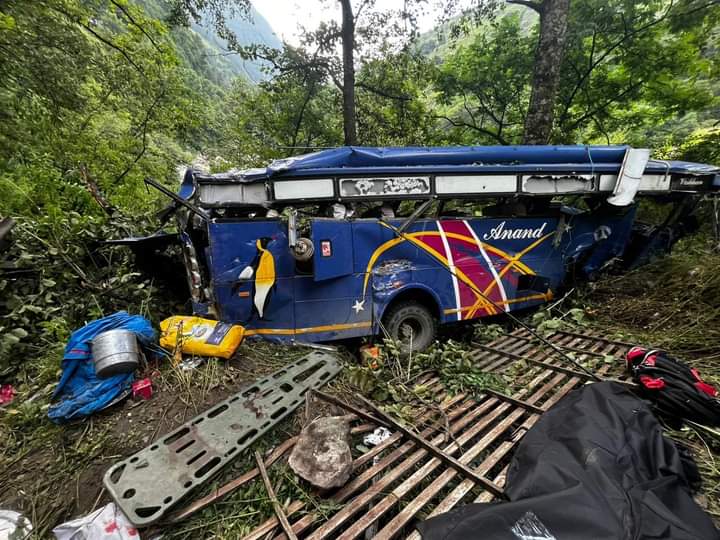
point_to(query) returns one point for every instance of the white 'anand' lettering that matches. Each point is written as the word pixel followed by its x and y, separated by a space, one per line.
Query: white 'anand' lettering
pixel 501 232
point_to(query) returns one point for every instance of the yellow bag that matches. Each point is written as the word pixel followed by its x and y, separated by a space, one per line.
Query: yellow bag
pixel 201 337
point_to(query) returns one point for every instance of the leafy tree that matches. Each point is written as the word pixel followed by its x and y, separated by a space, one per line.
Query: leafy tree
pixel 628 67
pixel 215 12
pixel 549 55
pixel 395 102
pixel 484 84
pixel 363 31
pixel 289 114
pixel 91 86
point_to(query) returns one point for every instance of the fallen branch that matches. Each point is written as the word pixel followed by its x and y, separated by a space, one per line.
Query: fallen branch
pixel 282 518
pixel 94 190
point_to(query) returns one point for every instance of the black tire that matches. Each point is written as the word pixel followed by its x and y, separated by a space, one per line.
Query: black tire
pixel 411 324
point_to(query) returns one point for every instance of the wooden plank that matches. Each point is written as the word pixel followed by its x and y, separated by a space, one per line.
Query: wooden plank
pixel 410 509
pixel 269 525
pixel 406 458
pixel 279 512
pixel 464 487
pixel 439 453
pixel 382 506
pixel 395 437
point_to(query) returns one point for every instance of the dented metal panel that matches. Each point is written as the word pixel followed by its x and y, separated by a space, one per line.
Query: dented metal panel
pixel 148 483
pixel 558 184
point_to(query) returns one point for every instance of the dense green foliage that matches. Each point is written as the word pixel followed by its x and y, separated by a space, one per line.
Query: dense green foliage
pixel 102 93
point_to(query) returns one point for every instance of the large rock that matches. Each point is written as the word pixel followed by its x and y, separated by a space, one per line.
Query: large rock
pixel 322 454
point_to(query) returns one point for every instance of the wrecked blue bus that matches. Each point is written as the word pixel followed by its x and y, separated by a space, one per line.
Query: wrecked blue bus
pixel 358 241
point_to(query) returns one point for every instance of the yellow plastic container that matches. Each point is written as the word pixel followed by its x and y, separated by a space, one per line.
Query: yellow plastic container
pixel 201 337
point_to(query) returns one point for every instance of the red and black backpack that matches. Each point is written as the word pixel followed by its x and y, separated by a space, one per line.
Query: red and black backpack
pixel 677 390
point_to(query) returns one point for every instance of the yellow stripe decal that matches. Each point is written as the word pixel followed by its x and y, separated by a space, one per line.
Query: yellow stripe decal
pixel 310 330
pixel 513 261
pixel 542 296
pixel 507 267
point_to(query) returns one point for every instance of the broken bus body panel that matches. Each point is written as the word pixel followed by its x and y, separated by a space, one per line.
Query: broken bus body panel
pixel 247 266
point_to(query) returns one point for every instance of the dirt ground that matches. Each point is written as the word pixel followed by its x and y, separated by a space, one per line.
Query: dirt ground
pixel 56 473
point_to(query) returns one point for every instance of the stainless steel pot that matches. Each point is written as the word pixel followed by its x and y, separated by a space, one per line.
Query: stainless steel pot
pixel 115 352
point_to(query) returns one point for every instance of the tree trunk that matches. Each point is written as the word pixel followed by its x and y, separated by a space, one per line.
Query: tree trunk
pixel 348 90
pixel 546 72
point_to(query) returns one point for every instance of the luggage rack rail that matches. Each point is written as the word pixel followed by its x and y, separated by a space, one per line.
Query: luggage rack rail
pixel 397 483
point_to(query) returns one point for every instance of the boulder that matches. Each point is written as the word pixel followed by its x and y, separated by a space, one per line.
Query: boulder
pixel 322 454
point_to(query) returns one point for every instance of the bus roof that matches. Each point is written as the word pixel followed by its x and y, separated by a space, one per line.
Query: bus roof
pixel 353 160
pixel 362 173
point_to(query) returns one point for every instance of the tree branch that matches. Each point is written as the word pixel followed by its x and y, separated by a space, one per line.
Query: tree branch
pixel 100 38
pixel 484 131
pixel 626 35
pixel 146 120
pixel 602 107
pixel 382 93
pixel 134 23
pixel 528 4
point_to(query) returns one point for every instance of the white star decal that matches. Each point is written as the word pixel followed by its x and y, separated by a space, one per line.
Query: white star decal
pixel 358 306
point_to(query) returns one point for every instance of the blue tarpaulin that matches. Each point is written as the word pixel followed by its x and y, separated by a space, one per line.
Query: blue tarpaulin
pixel 449 159
pixel 79 392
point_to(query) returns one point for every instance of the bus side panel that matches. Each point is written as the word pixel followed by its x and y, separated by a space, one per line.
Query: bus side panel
pixel 237 245
pixel 333 241
pixel 527 266
pixel 393 265
pixel 594 239
pixel 332 308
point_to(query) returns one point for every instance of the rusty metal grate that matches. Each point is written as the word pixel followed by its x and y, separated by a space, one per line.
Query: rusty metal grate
pixel 396 483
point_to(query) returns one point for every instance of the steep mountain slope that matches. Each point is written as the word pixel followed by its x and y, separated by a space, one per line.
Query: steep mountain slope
pixel 437 43
pixel 256 30
pixel 206 53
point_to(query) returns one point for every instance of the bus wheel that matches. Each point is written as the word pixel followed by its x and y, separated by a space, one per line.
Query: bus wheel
pixel 411 324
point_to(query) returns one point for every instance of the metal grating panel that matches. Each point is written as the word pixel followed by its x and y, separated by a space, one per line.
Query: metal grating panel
pixel 396 484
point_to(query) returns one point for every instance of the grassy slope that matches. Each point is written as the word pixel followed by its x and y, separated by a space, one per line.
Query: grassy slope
pixel 673 304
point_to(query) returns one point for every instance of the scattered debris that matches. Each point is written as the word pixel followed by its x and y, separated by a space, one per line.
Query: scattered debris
pixel 378 436
pixel 408 482
pixel 371 355
pixel 14 525
pixel 201 337
pixel 231 486
pixel 115 352
pixel 190 363
pixel 106 523
pixel 80 392
pixel 7 393
pixel 148 483
pixel 322 454
pixel 417 439
pixel 142 389
pixel 271 493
